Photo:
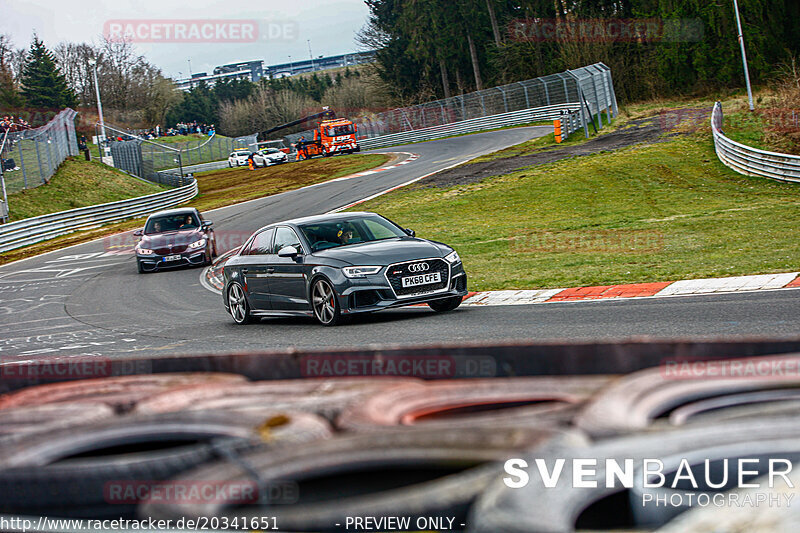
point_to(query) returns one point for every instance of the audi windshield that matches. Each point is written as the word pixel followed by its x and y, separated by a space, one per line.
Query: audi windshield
pixel 351 231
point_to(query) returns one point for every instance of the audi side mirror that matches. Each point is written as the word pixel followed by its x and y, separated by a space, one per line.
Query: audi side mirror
pixel 410 232
pixel 207 223
pixel 138 233
pixel 288 251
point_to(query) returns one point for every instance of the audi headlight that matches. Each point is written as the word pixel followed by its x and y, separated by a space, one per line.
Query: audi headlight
pixel 197 244
pixel 453 258
pixel 360 271
pixel 144 251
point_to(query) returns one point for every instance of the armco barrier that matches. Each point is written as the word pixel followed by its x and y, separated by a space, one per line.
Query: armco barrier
pixel 752 161
pixel 513 118
pixel 32 230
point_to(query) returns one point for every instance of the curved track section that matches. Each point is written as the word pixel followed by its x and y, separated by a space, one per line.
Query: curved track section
pixel 88 300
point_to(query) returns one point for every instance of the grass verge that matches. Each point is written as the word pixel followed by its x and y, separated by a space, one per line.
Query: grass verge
pixel 652 212
pixel 78 183
pixel 225 187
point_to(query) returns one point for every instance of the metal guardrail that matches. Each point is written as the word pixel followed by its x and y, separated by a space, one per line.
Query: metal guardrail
pixel 752 161
pixel 32 230
pixel 513 118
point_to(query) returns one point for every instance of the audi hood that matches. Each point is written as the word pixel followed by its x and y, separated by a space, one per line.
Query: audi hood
pixel 385 252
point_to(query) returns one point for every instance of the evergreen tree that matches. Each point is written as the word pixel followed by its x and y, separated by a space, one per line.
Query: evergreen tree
pixel 43 85
pixel 9 95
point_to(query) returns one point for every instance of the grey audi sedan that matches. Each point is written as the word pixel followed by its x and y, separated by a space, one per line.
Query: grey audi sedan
pixel 333 266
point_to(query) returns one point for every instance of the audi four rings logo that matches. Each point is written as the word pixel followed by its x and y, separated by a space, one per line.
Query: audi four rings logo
pixel 418 267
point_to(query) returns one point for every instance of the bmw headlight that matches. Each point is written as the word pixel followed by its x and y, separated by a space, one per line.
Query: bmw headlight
pixel 453 258
pixel 360 271
pixel 144 251
pixel 197 244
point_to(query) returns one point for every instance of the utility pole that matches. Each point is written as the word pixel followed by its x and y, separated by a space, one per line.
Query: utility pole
pixel 4 211
pixel 310 54
pixel 191 84
pixel 744 56
pixel 93 63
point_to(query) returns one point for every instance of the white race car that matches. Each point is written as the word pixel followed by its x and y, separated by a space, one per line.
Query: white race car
pixel 269 156
pixel 238 158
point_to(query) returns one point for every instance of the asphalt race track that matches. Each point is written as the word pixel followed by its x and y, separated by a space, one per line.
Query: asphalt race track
pixel 84 301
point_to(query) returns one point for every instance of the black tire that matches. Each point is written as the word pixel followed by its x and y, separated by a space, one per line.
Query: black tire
pixel 447 304
pixel 237 304
pixel 523 401
pixel 450 469
pixel 637 401
pixel 20 422
pixel 324 397
pixel 230 165
pixel 73 467
pixel 121 393
pixel 325 303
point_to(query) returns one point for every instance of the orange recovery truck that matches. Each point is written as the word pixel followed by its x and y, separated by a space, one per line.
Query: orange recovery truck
pixel 331 136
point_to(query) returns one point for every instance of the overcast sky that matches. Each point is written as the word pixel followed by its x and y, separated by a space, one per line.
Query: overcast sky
pixel 283 27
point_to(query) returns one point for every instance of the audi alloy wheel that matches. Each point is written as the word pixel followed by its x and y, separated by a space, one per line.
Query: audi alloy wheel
pixel 325 304
pixel 237 305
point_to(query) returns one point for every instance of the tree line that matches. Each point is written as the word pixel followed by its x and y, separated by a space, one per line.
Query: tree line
pixel 436 48
pixel 37 80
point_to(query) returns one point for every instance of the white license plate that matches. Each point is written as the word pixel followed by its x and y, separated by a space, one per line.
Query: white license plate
pixel 422 279
pixel 172 258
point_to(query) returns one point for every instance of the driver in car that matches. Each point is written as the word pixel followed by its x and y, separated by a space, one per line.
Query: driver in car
pixel 188 223
pixel 156 227
pixel 345 236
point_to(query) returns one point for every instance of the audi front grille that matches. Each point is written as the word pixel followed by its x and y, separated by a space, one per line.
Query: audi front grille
pixel 396 272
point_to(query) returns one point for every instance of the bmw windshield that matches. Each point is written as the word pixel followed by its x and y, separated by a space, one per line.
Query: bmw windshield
pixel 323 235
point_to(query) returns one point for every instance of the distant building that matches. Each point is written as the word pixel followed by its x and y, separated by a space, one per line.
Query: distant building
pixel 255 70
pixel 321 63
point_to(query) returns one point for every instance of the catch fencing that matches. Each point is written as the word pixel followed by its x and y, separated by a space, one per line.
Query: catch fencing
pixel 32 156
pixel 751 161
pixel 588 90
pixel 32 230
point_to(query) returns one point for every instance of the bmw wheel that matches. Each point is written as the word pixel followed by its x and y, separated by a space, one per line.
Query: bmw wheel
pixel 448 304
pixel 237 304
pixel 325 303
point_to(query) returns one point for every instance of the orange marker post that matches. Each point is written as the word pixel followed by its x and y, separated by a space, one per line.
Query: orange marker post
pixel 557 130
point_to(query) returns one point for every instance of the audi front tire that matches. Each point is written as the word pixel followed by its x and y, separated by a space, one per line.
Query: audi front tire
pixel 325 303
pixel 447 304
pixel 237 305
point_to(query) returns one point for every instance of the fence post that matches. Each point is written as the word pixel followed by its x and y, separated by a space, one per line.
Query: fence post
pixel 39 160
pixel 597 101
pixel 547 92
pixel 527 100
pixel 505 100
pixel 22 165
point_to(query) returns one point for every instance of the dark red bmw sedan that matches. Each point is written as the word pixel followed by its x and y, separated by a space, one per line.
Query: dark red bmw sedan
pixel 176 237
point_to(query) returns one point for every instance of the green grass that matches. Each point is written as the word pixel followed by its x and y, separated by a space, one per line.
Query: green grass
pixel 647 213
pixel 77 183
pixel 219 188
